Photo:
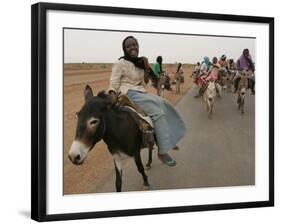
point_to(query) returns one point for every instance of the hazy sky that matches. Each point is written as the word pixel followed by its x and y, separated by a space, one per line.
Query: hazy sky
pixel 92 46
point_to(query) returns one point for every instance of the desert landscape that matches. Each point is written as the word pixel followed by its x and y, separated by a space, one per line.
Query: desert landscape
pixel 98 165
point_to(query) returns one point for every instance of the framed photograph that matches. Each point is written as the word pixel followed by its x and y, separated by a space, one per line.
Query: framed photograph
pixel 200 135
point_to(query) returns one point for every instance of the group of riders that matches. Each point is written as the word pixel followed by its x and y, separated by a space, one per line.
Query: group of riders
pixel 216 70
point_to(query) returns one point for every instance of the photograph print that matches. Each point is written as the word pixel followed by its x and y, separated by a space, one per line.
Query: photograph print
pixel 151 111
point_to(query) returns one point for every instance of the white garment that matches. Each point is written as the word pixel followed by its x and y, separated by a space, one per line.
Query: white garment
pixel 126 76
pixel 204 68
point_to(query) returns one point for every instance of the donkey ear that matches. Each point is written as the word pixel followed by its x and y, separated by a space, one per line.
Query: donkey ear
pixel 88 93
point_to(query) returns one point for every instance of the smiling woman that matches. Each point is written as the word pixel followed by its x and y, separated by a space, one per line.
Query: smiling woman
pixel 131 47
pixel 128 78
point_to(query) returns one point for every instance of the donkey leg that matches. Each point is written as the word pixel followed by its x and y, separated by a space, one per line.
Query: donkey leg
pixel 210 111
pixel 178 87
pixel 118 172
pixel 148 165
pixel 208 108
pixel 141 169
pixel 238 100
pixel 206 104
pixel 242 106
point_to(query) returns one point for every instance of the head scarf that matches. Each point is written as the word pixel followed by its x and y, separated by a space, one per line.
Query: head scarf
pixel 245 62
pixel 223 57
pixel 179 66
pixel 159 59
pixel 137 61
pixel 207 62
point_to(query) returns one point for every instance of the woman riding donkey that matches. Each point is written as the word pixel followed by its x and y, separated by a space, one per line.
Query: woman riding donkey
pixel 179 77
pixel 157 69
pixel 245 64
pixel 209 72
pixel 204 71
pixel 223 64
pixel 196 71
pixel 180 72
pixel 128 77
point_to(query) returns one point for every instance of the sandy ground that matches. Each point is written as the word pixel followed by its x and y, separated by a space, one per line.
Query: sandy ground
pixel 98 165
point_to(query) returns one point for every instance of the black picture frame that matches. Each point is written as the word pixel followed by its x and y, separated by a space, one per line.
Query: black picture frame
pixel 39 112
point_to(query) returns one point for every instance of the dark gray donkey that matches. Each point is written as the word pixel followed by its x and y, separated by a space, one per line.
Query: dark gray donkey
pixel 100 119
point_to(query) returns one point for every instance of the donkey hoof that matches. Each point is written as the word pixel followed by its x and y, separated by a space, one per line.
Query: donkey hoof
pixel 148 166
pixel 146 187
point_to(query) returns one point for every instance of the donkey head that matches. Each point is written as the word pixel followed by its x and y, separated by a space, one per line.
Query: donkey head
pixel 243 93
pixel 90 125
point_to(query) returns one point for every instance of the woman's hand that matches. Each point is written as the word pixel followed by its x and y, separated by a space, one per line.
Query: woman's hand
pixel 146 78
pixel 113 96
pixel 146 63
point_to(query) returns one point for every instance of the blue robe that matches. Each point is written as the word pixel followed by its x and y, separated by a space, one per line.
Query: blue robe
pixel 168 124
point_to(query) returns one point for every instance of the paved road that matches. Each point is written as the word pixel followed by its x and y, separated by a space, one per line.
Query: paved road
pixel 217 152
